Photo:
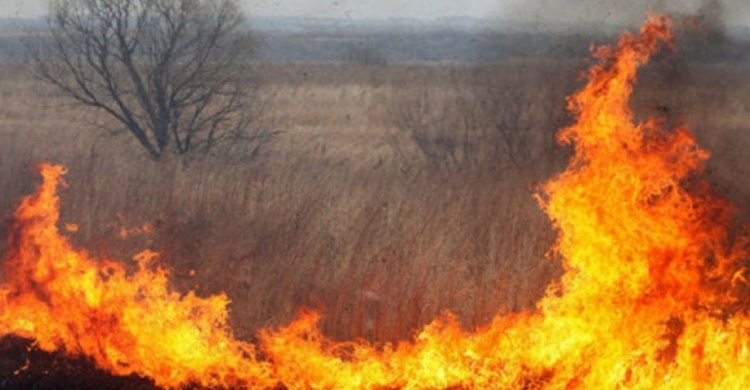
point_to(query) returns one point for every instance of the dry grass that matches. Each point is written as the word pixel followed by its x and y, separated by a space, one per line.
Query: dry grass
pixel 343 213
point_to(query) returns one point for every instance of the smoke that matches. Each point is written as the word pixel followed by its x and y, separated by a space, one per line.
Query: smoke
pixel 712 17
pixel 711 14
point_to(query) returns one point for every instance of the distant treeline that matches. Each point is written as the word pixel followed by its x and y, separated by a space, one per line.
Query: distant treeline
pixel 13 48
pixel 471 47
pixel 378 46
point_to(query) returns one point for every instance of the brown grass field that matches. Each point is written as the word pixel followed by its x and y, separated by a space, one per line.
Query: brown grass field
pixel 391 193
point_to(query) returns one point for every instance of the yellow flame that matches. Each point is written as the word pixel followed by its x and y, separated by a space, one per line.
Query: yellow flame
pixel 650 297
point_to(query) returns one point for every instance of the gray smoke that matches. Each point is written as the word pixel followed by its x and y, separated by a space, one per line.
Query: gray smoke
pixel 710 14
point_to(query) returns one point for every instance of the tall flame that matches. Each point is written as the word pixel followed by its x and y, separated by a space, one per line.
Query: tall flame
pixel 652 296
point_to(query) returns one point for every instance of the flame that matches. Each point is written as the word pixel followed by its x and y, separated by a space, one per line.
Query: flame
pixel 652 296
pixel 126 322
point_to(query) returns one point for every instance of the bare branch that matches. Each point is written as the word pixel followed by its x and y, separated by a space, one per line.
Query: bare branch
pixel 166 69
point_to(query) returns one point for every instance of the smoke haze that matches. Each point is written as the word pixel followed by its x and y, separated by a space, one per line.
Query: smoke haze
pixel 714 13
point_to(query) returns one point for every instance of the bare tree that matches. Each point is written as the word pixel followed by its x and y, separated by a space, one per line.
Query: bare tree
pixel 170 71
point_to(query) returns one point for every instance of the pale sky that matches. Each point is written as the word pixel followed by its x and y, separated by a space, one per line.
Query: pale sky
pixel 734 12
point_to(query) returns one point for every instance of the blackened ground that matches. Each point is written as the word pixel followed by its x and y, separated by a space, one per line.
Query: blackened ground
pixel 24 367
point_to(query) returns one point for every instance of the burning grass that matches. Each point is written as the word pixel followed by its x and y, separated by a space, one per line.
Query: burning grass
pixel 653 295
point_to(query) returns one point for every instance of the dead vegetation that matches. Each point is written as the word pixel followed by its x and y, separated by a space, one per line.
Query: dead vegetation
pixel 390 195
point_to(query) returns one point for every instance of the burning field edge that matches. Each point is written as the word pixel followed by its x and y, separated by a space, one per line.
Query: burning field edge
pixel 655 293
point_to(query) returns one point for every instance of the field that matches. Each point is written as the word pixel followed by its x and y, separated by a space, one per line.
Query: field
pixel 388 195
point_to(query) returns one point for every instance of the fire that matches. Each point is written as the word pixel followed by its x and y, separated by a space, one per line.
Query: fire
pixel 652 296
pixel 126 322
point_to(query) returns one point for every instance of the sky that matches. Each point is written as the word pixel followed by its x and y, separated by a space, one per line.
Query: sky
pixel 732 12
pixel 355 9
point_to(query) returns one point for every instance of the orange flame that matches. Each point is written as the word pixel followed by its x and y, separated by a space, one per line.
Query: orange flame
pixel 127 323
pixel 651 297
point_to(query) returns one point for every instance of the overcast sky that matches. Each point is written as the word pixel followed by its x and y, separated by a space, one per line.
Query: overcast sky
pixel 734 12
